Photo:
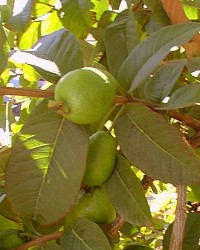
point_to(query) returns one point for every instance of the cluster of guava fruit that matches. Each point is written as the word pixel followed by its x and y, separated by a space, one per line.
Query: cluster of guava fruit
pixel 85 96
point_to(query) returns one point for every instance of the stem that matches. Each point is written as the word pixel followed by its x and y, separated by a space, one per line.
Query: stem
pixel 40 240
pixel 176 241
pixel 191 122
pixel 26 92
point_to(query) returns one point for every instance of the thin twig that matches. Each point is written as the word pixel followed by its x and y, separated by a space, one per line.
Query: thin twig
pixel 40 241
pixel 26 92
pixel 187 120
pixel 176 241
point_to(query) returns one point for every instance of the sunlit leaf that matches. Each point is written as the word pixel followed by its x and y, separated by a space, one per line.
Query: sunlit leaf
pixel 144 59
pixel 127 195
pixel 155 147
pixel 194 3
pixel 29 37
pixel 46 166
pixel 84 235
pixel 53 55
pixel 77 16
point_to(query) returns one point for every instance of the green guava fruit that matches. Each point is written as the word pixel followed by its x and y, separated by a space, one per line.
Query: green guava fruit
pixel 94 206
pixel 100 158
pixel 86 94
pixel 5 12
pixel 10 239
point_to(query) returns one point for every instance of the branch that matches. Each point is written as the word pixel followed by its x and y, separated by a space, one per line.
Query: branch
pixel 188 120
pixel 40 241
pixel 177 236
pixel 26 92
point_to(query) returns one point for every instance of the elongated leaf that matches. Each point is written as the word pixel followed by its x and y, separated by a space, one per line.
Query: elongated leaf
pixel 77 16
pixel 29 37
pixel 194 3
pixel 21 16
pixel 144 59
pixel 191 233
pixel 160 85
pixel 84 235
pixel 121 36
pixel 127 195
pixel 156 147
pixel 184 97
pixel 46 166
pixel 53 55
pixel 4 49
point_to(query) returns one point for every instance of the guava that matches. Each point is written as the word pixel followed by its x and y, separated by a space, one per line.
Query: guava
pixel 85 94
pixel 5 11
pixel 100 158
pixel 95 206
pixel 10 239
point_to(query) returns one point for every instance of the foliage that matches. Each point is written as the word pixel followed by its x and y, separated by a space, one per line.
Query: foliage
pixel 152 50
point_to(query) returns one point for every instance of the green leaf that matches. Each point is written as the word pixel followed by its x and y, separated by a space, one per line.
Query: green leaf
pixel 186 96
pixel 161 84
pixel 120 37
pixel 100 7
pixel 51 24
pixel 77 16
pixel 158 14
pixel 21 15
pixel 145 58
pixel 127 195
pixel 46 166
pixel 155 147
pixel 29 37
pixel 194 3
pixel 115 4
pixel 53 55
pixel 196 192
pixel 4 49
pixel 84 235
pixel 6 224
pixel 191 233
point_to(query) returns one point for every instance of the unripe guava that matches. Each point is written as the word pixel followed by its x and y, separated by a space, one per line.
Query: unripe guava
pixel 100 158
pixel 10 239
pixel 95 206
pixel 87 94
pixel 5 11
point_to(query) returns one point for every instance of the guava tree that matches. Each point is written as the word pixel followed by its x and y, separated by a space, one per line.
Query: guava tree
pixel 100 101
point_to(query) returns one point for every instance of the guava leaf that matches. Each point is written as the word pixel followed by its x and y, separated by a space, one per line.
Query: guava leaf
pixel 120 37
pixel 191 233
pixel 4 49
pixel 77 16
pixel 156 147
pixel 127 195
pixel 29 37
pixel 53 55
pixel 193 3
pixel 21 15
pixel 186 96
pixel 46 166
pixel 146 56
pixel 161 84
pixel 84 235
